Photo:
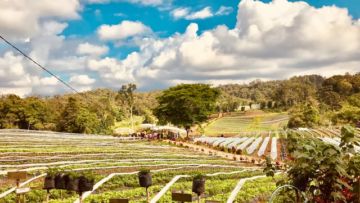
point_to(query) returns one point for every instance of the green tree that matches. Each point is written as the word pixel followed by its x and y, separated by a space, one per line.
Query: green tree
pixel 68 121
pixel 86 121
pixel 36 113
pixel 126 94
pixel 304 115
pixel 12 113
pixel 186 104
pixel 347 114
pixel 77 119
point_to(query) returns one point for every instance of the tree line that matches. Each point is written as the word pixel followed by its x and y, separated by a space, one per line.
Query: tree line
pixel 310 100
pixel 90 112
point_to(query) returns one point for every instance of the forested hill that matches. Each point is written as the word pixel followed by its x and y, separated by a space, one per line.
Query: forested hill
pixel 98 111
pixel 296 89
pixel 311 100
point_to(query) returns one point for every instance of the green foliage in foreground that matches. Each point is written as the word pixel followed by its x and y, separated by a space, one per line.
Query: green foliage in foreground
pixel 324 172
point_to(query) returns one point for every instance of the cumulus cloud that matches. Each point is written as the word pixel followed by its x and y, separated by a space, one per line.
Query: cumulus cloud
pixel 270 41
pixel 113 72
pixel 21 19
pixel 20 76
pixel 123 30
pixel 16 79
pixel 82 82
pixel 91 49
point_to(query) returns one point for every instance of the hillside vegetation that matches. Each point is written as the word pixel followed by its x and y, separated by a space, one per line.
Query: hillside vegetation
pixel 310 100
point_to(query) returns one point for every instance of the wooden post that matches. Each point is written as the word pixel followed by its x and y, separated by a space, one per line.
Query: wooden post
pixel 80 197
pixel 147 195
pixel 17 195
pixel 47 195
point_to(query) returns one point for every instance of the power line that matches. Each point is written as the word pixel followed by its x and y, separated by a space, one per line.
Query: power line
pixel 45 69
pixel 42 67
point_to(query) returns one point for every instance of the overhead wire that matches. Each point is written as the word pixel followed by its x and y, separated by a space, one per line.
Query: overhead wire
pixel 96 103
pixel 39 65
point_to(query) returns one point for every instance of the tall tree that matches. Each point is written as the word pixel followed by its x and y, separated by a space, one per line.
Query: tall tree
pixel 186 104
pixel 126 94
pixel 12 112
pixel 36 113
pixel 77 119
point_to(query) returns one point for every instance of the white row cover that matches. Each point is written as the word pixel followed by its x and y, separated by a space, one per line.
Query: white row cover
pixel 245 144
pixel 236 142
pixel 263 146
pixel 336 141
pixel 273 153
pixel 228 141
pixel 254 145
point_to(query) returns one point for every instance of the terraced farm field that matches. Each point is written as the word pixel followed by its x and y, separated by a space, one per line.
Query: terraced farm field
pixel 237 123
pixel 115 163
pixel 256 146
pixel 230 176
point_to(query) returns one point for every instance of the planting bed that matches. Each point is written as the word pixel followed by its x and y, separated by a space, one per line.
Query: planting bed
pixel 114 162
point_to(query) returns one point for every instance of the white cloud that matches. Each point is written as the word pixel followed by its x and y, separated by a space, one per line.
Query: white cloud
pixel 185 13
pixel 119 14
pixel 180 13
pixel 15 78
pixel 156 3
pixel 223 10
pixel 150 2
pixel 201 14
pixel 123 30
pixel 22 18
pixel 113 72
pixel 81 80
pixel 91 49
pixel 270 41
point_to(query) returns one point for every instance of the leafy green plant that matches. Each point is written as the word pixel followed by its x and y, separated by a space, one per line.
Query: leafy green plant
pixel 198 176
pixel 144 171
pixel 324 172
pixel 53 171
pixel 88 175
pixel 269 169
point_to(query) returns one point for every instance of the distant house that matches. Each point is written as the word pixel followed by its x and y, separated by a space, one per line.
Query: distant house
pixel 243 108
pixel 255 106
pixel 248 107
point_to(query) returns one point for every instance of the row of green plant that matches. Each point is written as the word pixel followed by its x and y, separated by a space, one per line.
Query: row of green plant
pixel 216 188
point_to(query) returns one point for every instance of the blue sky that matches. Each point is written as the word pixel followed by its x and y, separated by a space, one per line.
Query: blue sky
pixel 161 21
pixel 160 43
